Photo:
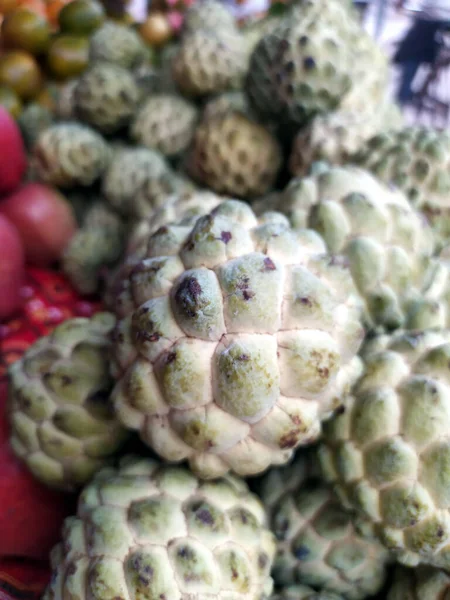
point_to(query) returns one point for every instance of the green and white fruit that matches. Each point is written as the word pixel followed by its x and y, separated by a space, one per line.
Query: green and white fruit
pixel 388 452
pixel 106 97
pixel 127 172
pixel 233 154
pixel 242 339
pixel 318 542
pixel 209 62
pixel 62 422
pixel 117 44
pixel 208 14
pixel 96 246
pixel 388 245
pixel 69 154
pixel 422 583
pixel 417 160
pixel 157 531
pixel 166 123
pixel 303 592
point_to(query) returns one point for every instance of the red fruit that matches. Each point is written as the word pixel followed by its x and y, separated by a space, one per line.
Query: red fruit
pixel 44 219
pixel 48 300
pixel 31 516
pixel 12 152
pixel 12 262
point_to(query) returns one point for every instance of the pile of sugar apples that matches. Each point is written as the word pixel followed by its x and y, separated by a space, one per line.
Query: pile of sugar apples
pixel 271 244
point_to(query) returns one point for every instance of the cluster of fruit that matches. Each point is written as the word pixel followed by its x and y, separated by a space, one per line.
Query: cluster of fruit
pixel 272 246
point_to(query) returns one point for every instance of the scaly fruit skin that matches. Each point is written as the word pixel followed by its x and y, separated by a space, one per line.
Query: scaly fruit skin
pixel 159 531
pixel 223 103
pixel 388 245
pixel 301 67
pixel 106 97
pixel 388 453
pixel 422 583
pixel 117 44
pixel 234 155
pixel 208 14
pixel 166 123
pixel 209 62
pixel 68 154
pixel 318 542
pixel 65 101
pixel 303 592
pixel 417 160
pixel 32 121
pixel 334 137
pixel 157 191
pixel 96 247
pixel 213 367
pixel 62 423
pixel 127 172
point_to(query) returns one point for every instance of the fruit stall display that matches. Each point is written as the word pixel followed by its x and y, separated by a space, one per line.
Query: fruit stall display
pixel 224 310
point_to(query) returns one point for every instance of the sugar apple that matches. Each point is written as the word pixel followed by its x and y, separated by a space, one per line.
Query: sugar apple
pixel 208 14
pixel 65 104
pixel 208 62
pixel 233 154
pixel 242 339
pixel 182 208
pixel 129 169
pixel 69 154
pixel 388 452
pixel 388 245
pixel 422 583
pixel 156 192
pixel 318 542
pixel 118 44
pixel 165 122
pixel 304 592
pixel 62 422
pixel 224 103
pixel 146 530
pixel 417 160
pixel 106 97
pixel 303 66
pixel 34 119
pixel 96 246
pixel 334 137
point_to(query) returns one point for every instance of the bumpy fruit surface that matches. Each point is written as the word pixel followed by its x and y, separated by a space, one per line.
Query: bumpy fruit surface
pixel 68 154
pixel 301 67
pixel 303 592
pixel 117 44
pixel 166 123
pixel 62 422
pixel 416 159
pixel 208 62
pixel 106 97
pixel 127 172
pixel 318 542
pixel 159 531
pixel 95 247
pixel 208 14
pixel 32 121
pixel 422 583
pixel 388 245
pixel 388 453
pixel 241 340
pixel 232 154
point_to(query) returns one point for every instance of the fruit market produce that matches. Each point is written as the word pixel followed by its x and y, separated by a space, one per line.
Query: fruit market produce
pixel 146 528
pixel 12 267
pixel 44 219
pixel 211 367
pixel 318 542
pixel 388 452
pixel 416 160
pixel 13 163
pixel 272 243
pixel 62 423
pixel 31 515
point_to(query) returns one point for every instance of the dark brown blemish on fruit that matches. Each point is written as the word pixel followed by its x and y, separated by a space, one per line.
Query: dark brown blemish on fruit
pixel 225 236
pixel 269 265
pixel 187 296
pixel 171 357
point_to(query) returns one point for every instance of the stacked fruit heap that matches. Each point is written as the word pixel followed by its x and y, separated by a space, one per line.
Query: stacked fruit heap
pixel 282 305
